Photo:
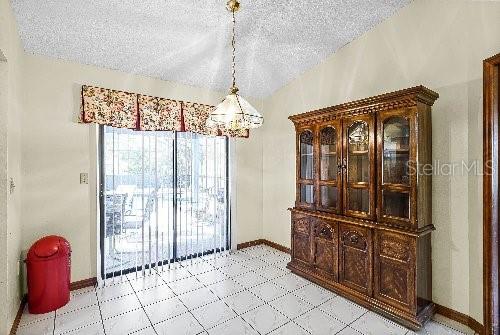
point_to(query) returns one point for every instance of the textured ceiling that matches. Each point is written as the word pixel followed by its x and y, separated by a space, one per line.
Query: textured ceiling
pixel 187 41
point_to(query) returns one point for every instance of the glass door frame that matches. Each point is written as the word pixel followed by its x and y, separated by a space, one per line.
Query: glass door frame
pixel 347 122
pixel 301 181
pixel 337 125
pixel 174 258
pixel 410 189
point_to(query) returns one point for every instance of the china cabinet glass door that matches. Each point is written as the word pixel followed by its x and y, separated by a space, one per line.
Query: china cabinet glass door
pixel 330 167
pixel 357 162
pixel 395 170
pixel 305 185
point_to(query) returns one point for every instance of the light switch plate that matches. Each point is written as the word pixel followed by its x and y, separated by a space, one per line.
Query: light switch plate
pixel 84 178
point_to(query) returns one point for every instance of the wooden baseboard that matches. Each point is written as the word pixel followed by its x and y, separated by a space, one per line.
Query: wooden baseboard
pixel 276 246
pixel 460 318
pixel 83 283
pixel 72 286
pixel 249 244
pixel 265 242
pixel 15 324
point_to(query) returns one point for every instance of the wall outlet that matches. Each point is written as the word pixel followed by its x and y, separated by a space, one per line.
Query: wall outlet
pixel 84 178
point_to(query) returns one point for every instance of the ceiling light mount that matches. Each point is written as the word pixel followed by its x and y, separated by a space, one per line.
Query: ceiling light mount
pixel 233 6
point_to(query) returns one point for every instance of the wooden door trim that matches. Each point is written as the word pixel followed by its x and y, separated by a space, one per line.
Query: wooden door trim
pixel 491 196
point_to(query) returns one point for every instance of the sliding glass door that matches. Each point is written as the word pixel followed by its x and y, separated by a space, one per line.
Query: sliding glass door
pixel 164 197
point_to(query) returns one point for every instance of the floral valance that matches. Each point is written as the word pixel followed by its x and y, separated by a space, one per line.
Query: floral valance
pixel 143 112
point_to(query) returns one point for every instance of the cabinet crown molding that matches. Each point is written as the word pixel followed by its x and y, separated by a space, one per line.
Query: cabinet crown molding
pixel 408 97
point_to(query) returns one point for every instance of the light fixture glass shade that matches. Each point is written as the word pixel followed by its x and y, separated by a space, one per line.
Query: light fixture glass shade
pixel 235 113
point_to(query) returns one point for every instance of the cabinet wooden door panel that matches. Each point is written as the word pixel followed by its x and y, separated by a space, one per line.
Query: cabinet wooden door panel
pixel 302 248
pixel 395 269
pixel 325 249
pixel 356 258
pixel 301 239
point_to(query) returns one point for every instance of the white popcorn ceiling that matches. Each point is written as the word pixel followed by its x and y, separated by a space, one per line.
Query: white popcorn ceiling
pixel 188 41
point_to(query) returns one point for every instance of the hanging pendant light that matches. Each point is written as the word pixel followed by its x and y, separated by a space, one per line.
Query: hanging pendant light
pixel 234 112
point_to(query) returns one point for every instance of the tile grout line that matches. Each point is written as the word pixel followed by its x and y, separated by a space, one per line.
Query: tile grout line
pixel 188 310
pixel 269 280
pixel 352 322
pixel 220 299
pixel 54 323
pixel 79 309
pixel 293 293
pixel 100 313
pixel 142 306
pixel 447 326
pixel 230 278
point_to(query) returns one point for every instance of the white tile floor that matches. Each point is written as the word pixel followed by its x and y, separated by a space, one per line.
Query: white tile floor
pixel 246 292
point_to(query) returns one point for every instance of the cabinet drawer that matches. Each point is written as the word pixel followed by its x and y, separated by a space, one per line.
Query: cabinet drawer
pixel 355 259
pixel 395 270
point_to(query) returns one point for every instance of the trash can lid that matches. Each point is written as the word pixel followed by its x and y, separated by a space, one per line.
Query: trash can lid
pixel 47 246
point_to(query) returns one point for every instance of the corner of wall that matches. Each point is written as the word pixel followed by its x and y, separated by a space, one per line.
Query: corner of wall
pixel 13 54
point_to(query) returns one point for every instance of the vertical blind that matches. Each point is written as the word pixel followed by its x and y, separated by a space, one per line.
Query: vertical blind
pixel 164 198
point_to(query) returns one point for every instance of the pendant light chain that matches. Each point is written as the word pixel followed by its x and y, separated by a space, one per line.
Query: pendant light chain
pixel 233 44
pixel 235 89
pixel 234 113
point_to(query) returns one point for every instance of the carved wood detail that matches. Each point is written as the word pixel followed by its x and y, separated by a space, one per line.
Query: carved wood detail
pixel 395 249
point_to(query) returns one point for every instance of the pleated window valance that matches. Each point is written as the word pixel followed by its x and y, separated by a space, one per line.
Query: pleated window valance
pixel 143 112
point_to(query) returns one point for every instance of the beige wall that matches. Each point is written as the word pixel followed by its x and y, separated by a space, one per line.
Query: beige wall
pixel 56 149
pixel 440 44
pixel 10 150
pixel 3 187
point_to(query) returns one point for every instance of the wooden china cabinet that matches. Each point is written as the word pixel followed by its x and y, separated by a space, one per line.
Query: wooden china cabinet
pixel 362 222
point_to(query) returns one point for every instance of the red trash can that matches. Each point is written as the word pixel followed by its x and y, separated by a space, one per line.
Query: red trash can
pixel 48 265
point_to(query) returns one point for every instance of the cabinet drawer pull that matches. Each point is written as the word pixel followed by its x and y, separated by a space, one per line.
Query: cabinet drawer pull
pixel 354 238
